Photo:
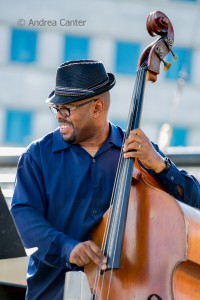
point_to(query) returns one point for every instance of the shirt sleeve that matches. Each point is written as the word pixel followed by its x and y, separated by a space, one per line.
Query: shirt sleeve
pixel 173 177
pixel 28 209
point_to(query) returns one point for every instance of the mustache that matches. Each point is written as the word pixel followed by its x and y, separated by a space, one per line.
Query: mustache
pixel 65 121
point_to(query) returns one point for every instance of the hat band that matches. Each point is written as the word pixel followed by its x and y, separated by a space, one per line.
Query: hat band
pixel 66 91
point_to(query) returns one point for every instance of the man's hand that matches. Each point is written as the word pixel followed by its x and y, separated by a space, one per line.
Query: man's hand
pixel 85 252
pixel 142 148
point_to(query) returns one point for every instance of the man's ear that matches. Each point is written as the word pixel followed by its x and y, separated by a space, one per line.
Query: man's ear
pixel 99 105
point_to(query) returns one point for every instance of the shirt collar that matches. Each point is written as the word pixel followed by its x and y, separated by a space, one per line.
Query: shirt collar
pixel 58 142
pixel 115 138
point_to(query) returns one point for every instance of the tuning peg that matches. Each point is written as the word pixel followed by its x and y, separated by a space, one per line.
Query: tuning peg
pixel 167 65
pixel 159 51
pixel 169 42
pixel 174 56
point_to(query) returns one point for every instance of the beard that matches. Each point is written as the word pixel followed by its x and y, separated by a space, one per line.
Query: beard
pixel 72 139
pixel 69 138
pixel 78 134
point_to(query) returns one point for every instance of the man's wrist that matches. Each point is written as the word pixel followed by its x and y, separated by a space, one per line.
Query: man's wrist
pixel 167 165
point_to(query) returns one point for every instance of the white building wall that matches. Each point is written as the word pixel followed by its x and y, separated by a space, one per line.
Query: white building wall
pixel 27 86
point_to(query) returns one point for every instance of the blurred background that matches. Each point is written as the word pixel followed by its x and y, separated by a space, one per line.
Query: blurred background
pixel 37 36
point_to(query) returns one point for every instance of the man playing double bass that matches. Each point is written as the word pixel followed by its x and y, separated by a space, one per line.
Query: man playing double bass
pixel 64 180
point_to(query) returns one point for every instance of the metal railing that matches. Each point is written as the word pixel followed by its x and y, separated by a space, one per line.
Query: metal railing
pixel 187 158
pixel 9 157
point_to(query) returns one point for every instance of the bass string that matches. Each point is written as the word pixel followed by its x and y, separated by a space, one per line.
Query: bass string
pixel 125 175
pixel 121 156
pixel 110 211
pixel 118 185
pixel 114 190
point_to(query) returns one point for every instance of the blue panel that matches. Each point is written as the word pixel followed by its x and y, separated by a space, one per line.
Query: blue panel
pixel 186 0
pixel 23 45
pixel 127 56
pixel 119 122
pixel 18 127
pixel 184 63
pixel 76 48
pixel 179 137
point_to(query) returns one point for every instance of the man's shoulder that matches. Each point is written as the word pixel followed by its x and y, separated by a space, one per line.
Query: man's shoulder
pixel 42 144
pixel 116 136
pixel 121 131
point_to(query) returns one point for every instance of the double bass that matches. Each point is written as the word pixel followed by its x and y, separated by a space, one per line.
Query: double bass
pixel 151 240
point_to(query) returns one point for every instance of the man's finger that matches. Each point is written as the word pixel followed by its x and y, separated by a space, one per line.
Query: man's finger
pixel 96 255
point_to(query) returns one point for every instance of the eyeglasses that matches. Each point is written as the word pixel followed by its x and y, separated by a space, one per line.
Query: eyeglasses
pixel 65 111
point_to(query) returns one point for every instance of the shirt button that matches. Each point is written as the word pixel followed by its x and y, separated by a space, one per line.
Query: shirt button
pixel 93 160
pixel 94 211
pixel 172 177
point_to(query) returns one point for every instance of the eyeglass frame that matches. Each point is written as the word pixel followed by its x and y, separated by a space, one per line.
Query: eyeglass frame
pixel 51 107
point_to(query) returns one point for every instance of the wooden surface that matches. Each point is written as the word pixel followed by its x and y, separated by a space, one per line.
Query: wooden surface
pixel 160 234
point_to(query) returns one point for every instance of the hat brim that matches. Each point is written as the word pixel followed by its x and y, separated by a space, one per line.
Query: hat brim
pixel 59 99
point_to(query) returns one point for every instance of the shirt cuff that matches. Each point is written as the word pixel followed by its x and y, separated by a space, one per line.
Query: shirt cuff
pixel 66 251
pixel 169 180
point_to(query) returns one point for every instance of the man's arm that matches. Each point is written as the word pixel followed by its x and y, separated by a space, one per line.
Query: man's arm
pixel 28 209
pixel 178 183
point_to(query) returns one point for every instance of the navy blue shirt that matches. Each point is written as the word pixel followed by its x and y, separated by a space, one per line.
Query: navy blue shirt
pixel 61 193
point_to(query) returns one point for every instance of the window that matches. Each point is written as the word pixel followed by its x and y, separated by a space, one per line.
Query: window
pixel 127 56
pixel 76 47
pixel 184 63
pixel 179 136
pixel 18 127
pixel 23 45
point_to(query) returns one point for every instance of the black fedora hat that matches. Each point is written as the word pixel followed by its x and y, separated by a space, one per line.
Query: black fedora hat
pixel 80 79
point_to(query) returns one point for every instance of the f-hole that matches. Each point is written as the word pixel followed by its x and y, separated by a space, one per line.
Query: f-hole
pixel 154 297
